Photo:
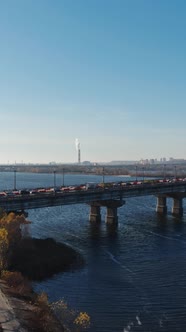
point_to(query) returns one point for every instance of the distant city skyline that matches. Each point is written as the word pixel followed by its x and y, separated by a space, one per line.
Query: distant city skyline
pixel 163 160
pixel 110 72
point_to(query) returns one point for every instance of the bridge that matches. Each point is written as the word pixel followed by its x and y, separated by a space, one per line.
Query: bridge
pixel 112 198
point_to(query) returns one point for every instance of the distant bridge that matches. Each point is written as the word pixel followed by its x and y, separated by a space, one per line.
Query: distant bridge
pixel 112 198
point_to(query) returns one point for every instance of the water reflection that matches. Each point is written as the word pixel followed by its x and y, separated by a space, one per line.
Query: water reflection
pixel 95 230
pixel 112 230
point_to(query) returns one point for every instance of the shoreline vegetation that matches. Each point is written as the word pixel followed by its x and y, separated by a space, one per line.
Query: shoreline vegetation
pixel 25 259
pixel 147 170
pixel 39 259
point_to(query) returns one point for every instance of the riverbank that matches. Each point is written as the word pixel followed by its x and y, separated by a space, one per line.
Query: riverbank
pixel 131 169
pixel 33 259
pixel 24 313
pixel 38 259
pixel 8 320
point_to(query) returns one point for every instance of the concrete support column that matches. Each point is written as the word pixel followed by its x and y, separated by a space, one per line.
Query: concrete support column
pixel 95 215
pixel 111 215
pixel 161 205
pixel 177 208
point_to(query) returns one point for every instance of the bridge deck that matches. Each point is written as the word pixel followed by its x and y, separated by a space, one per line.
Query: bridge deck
pixel 24 202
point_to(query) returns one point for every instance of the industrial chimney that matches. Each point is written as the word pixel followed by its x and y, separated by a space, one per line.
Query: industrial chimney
pixel 79 155
pixel 77 143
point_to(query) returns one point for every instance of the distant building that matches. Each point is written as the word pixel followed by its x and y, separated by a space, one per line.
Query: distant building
pixel 122 162
pixel 177 161
pixel 86 162
pixel 163 160
pixel 144 161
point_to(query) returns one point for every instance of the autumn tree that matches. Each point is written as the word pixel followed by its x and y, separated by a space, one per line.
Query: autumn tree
pixel 4 244
pixel 10 234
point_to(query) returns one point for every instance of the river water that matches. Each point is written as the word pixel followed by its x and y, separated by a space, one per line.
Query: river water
pixel 134 278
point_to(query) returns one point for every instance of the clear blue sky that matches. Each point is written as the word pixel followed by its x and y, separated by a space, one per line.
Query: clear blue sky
pixel 111 73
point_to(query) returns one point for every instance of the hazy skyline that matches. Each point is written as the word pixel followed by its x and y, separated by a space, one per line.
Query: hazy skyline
pixel 109 72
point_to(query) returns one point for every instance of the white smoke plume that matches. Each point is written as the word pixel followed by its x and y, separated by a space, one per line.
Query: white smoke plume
pixel 77 144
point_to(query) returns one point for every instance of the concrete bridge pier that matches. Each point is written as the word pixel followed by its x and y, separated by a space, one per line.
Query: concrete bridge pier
pixel 95 215
pixel 161 206
pixel 177 207
pixel 112 208
pixel 111 216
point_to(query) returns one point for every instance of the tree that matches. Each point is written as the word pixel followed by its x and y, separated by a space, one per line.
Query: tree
pixel 4 244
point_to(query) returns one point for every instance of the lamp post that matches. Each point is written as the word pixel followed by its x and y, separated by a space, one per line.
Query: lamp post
pixel 103 175
pixel 14 179
pixel 143 174
pixel 136 172
pixel 164 171
pixel 63 178
pixel 175 172
pixel 54 179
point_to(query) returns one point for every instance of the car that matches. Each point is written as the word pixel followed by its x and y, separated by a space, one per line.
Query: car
pixel 33 192
pixel 24 192
pixel 41 190
pixel 2 194
pixel 9 194
pixel 16 192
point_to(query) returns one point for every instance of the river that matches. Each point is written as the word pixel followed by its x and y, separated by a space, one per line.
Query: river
pixel 134 278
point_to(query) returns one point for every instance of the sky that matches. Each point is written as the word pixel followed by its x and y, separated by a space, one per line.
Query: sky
pixel 111 73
